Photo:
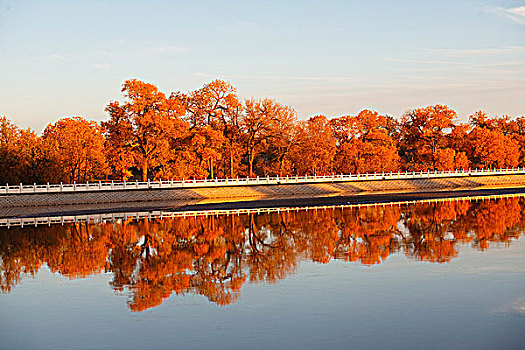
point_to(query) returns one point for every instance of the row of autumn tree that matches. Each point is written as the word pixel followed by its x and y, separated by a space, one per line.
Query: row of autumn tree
pixel 214 256
pixel 211 133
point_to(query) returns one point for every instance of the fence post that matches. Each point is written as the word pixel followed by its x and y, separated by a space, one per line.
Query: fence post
pixel 34 187
pixel 20 187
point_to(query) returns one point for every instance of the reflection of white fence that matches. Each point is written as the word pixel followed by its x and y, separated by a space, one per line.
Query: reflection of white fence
pixel 164 214
pixel 249 181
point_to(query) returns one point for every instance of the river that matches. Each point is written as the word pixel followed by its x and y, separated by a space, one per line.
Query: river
pixel 421 275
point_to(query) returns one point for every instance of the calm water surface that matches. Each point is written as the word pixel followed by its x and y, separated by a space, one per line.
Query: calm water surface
pixel 426 275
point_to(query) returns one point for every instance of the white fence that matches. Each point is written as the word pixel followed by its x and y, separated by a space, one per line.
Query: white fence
pixel 249 181
pixel 165 214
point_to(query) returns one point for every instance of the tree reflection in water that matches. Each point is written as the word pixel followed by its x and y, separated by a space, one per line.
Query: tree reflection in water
pixel 214 256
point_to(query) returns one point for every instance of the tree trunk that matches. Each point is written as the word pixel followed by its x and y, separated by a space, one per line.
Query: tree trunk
pixel 144 172
pixel 231 161
pixel 250 160
pixel 281 161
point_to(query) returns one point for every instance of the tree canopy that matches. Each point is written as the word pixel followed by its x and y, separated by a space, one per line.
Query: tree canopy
pixel 211 132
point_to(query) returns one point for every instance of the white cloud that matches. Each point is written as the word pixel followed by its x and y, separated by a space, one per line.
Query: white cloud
pixel 517 14
pixel 517 11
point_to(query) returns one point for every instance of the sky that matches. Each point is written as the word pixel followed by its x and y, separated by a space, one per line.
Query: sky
pixel 68 58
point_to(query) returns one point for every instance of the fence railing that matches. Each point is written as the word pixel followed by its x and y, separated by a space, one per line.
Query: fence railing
pixel 248 181
pixel 166 214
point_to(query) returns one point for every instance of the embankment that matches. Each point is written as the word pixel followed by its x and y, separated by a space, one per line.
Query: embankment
pixel 235 193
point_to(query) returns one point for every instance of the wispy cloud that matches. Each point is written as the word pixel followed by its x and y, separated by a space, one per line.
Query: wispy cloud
pixel 102 66
pixel 512 69
pixel 246 24
pixel 126 48
pixel 409 85
pixel 52 57
pixel 507 60
pixel 490 51
pixel 516 14
pixel 280 77
pixel 423 61
pixel 109 51
pixel 168 49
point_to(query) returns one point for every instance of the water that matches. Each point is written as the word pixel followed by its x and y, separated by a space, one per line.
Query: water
pixel 426 275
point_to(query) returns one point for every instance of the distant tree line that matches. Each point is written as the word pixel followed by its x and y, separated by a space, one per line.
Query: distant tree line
pixel 211 133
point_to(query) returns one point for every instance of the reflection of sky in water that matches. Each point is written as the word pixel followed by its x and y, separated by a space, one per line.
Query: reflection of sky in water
pixel 476 300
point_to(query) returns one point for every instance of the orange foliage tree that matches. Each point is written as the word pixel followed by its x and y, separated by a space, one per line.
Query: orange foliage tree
pixel 205 148
pixel 317 147
pixel 364 144
pixel 257 124
pixel 283 138
pixel 216 105
pixel 9 135
pixel 424 142
pixel 492 144
pixel 79 146
pixel 492 149
pixel 144 125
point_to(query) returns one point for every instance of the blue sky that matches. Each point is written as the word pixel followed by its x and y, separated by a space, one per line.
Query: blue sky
pixel 62 58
